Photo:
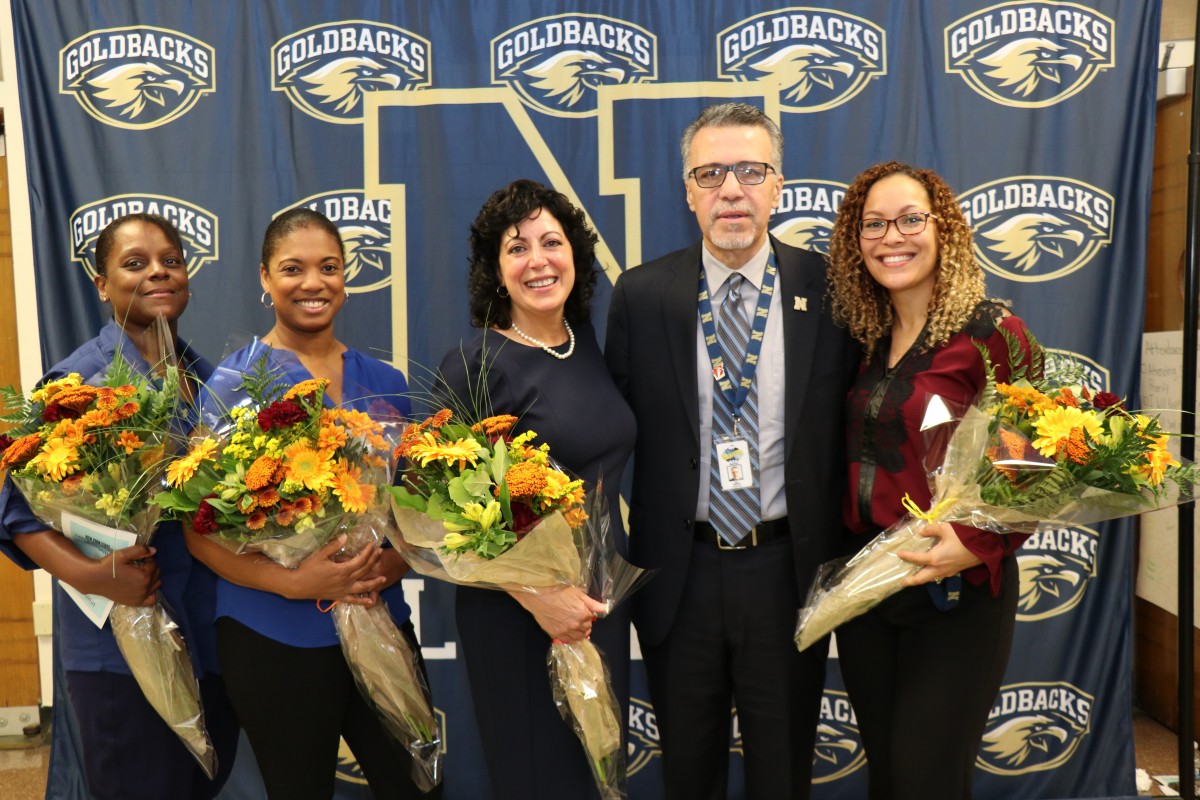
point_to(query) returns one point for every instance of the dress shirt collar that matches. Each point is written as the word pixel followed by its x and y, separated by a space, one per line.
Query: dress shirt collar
pixel 717 273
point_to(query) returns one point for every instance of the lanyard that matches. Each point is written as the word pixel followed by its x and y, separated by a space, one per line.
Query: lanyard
pixel 757 328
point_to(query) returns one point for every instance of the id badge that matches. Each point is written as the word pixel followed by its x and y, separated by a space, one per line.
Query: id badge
pixel 733 463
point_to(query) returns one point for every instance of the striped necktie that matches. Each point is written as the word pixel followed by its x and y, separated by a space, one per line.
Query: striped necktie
pixel 733 513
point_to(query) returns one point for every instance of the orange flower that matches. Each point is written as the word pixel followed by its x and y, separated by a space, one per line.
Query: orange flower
pixel 257 520
pixel 441 418
pixel 21 451
pixel 268 497
pixel 76 399
pixel 247 503
pixel 262 473
pixel 125 391
pixel 495 426
pixel 1066 398
pixel 306 388
pixel 1076 447
pixel 72 485
pixel 107 399
pixel 525 480
pixel 575 517
pixel 127 410
pixel 330 438
pixel 307 466
pixel 286 514
pixel 96 418
pixel 354 496
pixel 130 441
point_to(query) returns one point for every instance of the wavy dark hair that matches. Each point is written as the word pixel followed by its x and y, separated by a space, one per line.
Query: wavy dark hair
pixel 862 305
pixel 293 220
pixel 505 209
pixel 104 242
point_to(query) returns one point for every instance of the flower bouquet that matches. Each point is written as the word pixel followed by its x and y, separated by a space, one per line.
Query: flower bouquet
pixel 485 509
pixel 98 452
pixel 285 476
pixel 1027 454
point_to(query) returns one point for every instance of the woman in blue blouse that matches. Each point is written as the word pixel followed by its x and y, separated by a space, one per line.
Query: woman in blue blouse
pixel 286 675
pixel 128 752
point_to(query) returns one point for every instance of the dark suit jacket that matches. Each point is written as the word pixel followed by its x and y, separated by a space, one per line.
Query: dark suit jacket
pixel 651 352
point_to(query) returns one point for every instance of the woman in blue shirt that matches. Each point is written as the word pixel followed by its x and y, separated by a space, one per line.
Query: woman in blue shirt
pixel 286 675
pixel 128 752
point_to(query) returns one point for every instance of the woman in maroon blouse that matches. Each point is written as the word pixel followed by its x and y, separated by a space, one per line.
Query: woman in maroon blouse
pixel 922 669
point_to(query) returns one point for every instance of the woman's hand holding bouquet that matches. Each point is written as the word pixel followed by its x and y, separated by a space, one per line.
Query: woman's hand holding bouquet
pixel 1028 454
pixel 299 482
pixel 483 508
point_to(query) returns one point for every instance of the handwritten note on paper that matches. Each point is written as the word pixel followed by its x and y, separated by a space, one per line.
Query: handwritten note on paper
pixel 1162 392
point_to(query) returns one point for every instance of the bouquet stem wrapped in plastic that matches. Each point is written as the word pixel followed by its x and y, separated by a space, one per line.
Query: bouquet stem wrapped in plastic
pixel 551 555
pixel 1020 459
pixel 103 452
pixel 384 665
pixel 283 475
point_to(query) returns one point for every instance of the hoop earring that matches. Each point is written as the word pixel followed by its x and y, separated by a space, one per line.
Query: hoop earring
pixel 502 288
pixel 263 300
pixel 345 296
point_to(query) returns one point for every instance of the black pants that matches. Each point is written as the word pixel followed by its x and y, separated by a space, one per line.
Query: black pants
pixel 295 703
pixel 129 753
pixel 922 683
pixel 731 643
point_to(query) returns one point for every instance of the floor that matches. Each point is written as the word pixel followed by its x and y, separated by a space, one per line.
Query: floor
pixel 24 761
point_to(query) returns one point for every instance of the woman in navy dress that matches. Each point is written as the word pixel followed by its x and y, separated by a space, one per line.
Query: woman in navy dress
pixel 531 279
pixel 128 752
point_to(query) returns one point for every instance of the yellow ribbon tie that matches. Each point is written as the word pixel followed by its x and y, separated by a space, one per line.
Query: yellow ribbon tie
pixel 931 515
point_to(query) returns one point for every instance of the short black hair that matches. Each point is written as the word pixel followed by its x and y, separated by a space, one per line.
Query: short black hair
pixel 291 221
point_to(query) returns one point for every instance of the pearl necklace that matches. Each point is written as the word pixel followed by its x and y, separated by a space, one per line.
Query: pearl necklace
pixel 546 347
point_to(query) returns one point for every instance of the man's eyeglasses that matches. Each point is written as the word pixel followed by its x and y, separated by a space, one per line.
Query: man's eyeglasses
pixel 907 224
pixel 748 173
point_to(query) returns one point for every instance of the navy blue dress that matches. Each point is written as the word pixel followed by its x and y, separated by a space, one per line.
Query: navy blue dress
pixel 573 405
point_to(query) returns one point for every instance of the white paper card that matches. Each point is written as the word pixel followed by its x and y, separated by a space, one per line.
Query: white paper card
pixel 733 463
pixel 95 541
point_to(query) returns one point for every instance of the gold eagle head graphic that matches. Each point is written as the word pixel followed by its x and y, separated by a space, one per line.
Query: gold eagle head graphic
pixel 1043 575
pixel 566 76
pixel 343 81
pixel 1016 740
pixel 1025 237
pixel 801 66
pixel 365 247
pixel 130 87
pixel 834 746
pixel 811 233
pixel 1025 63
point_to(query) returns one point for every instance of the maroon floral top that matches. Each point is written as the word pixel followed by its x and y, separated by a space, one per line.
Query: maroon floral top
pixel 886 449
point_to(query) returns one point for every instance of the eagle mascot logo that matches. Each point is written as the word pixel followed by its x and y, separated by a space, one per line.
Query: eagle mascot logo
pixel 808 233
pixel 1019 741
pixel 1022 241
pixel 1034 727
pixel 341 83
pixel 803 68
pixel 121 77
pixel 1023 54
pixel 366 229
pixel 818 57
pixel 566 78
pixel 366 252
pixel 128 89
pixel 838 751
pixel 557 64
pixel 327 70
pixel 1056 565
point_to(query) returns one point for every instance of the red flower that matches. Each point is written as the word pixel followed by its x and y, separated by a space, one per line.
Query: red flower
pixel 54 412
pixel 5 441
pixel 1103 400
pixel 524 519
pixel 205 521
pixel 280 414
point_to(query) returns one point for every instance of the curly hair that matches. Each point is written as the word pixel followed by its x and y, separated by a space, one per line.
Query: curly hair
pixel 862 305
pixel 104 242
pixel 506 209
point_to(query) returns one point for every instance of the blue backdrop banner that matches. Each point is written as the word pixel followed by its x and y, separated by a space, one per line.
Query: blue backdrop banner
pixel 397 118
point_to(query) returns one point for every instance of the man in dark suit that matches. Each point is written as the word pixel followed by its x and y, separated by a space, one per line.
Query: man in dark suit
pixel 735 554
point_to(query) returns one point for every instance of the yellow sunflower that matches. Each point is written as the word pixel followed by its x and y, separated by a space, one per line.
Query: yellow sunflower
pixel 1054 428
pixel 58 459
pixel 462 452
pixel 307 466
pixel 184 468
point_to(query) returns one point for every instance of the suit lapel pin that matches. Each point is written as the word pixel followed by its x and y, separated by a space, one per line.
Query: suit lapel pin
pixel 800 303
